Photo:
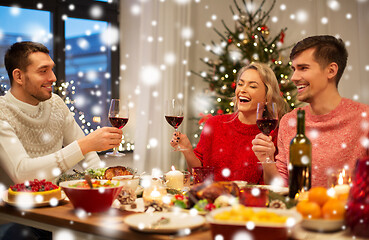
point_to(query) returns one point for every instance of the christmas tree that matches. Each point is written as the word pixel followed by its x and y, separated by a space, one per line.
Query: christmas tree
pixel 250 41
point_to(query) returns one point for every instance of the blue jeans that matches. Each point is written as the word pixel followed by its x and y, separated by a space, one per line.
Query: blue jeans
pixel 15 231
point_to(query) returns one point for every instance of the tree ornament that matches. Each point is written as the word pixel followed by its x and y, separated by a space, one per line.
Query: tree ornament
pixel 281 40
pixel 233 85
pixel 264 30
pixel 230 40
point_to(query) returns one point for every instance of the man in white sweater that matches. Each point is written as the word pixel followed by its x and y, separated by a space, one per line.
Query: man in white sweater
pixel 39 138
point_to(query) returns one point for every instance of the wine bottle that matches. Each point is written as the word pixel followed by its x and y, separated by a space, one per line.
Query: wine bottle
pixel 300 159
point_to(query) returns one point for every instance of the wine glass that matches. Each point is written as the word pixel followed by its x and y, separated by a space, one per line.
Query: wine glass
pixel 267 119
pixel 174 115
pixel 118 117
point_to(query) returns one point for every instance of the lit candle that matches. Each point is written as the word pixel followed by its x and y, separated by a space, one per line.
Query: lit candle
pixel 154 193
pixel 174 179
pixel 341 190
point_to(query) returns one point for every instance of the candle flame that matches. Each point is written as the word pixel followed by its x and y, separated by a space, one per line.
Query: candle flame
pixel 340 178
pixel 297 195
pixel 173 168
pixel 155 193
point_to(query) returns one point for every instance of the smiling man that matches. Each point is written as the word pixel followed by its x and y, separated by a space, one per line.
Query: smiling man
pixel 39 138
pixel 337 127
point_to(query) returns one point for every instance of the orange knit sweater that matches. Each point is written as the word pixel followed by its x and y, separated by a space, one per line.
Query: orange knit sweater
pixel 338 139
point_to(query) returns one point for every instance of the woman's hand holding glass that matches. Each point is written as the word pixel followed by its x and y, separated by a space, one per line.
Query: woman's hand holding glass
pixel 180 141
pixel 263 148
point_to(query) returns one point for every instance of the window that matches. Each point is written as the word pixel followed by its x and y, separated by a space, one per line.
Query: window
pixel 22 25
pixel 82 36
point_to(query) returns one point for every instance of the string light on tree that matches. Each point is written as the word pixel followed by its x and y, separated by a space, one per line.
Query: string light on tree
pixel 66 91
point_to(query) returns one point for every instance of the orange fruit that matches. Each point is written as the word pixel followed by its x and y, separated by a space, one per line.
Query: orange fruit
pixel 334 209
pixel 318 195
pixel 309 210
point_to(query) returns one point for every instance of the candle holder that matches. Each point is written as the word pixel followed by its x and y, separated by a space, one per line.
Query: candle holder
pixel 174 179
pixel 357 213
pixel 339 177
pixel 253 197
pixel 200 174
pixel 154 193
pixel 186 179
pixel 339 184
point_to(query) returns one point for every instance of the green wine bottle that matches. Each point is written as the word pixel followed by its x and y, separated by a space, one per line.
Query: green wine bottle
pixel 300 159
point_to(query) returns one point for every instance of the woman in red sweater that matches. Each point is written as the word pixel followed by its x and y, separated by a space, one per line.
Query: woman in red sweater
pixel 225 141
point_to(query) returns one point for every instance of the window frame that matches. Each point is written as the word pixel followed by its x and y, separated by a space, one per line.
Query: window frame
pixel 58 8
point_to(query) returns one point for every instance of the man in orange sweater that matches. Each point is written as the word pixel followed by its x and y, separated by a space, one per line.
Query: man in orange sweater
pixel 337 127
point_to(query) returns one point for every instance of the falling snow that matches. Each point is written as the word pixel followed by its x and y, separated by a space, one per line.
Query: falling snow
pixel 226 172
pixel 152 75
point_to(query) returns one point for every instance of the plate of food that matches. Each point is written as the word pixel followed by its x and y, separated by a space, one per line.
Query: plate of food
pixel 323 225
pixel 205 197
pixel 164 222
pixel 321 212
pixel 37 193
pixel 97 173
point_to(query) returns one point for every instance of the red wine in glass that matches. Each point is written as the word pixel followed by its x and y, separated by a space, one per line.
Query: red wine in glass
pixel 118 117
pixel 174 121
pixel 118 122
pixel 267 119
pixel 266 126
pixel 174 115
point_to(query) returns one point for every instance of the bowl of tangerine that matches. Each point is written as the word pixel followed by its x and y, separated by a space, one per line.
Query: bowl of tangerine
pixel 322 210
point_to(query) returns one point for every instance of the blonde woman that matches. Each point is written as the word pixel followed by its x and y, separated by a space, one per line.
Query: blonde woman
pixel 225 142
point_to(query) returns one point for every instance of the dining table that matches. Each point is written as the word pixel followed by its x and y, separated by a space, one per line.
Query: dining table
pixel 93 226
pixel 64 219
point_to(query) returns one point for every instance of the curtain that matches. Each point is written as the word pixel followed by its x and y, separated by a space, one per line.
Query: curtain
pixel 154 69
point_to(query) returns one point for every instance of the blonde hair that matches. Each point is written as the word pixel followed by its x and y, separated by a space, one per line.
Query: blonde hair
pixel 272 91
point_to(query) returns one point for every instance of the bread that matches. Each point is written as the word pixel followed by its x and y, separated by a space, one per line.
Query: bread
pixel 115 171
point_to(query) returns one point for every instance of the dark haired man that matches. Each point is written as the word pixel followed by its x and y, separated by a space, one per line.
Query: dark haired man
pixel 39 138
pixel 337 127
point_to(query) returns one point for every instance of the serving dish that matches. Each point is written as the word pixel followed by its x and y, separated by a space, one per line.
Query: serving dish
pixel 254 230
pixel 53 202
pixel 92 200
pixel 323 225
pixel 128 181
pixel 164 222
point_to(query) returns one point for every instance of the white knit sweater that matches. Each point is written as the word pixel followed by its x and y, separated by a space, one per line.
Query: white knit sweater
pixel 39 141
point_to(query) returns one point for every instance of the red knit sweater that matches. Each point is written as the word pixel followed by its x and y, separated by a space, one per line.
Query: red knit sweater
pixel 338 138
pixel 225 143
